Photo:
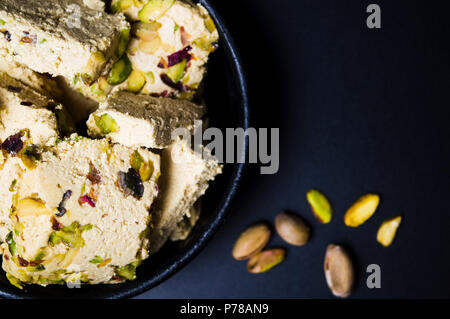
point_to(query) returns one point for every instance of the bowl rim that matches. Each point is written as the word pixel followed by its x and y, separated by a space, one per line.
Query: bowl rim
pixel 193 251
pixel 198 246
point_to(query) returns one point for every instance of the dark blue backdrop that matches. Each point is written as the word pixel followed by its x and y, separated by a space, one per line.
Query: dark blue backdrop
pixel 359 111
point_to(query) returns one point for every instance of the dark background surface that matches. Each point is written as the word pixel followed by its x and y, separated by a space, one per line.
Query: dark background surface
pixel 359 111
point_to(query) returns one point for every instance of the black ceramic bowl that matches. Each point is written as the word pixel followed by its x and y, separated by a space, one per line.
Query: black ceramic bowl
pixel 226 96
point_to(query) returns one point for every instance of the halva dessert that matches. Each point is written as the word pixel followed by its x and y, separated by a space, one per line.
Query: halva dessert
pixel 27 126
pixel 140 120
pixel 89 207
pixel 28 113
pixel 82 214
pixel 53 37
pixel 170 43
pixel 41 83
pixel 185 177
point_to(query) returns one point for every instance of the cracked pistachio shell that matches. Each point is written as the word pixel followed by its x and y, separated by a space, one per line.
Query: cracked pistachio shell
pixel 292 229
pixel 339 271
pixel 388 229
pixel 265 260
pixel 361 210
pixel 251 241
pixel 320 206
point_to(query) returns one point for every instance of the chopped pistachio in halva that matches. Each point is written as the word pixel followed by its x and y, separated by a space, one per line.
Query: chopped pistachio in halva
pixel 142 120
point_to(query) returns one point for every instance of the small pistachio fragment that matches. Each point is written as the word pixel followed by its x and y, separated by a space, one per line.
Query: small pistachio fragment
pixel 251 241
pixel 320 206
pixel 96 260
pixel 120 71
pixel 265 260
pixel 292 229
pixel 176 72
pixel 69 235
pixel 123 42
pixel 30 156
pixel 205 44
pixel 32 207
pixel 128 271
pixel 106 124
pixel 14 281
pixel 121 5
pixel 94 175
pixel 209 24
pixel 11 243
pixel 339 271
pixel 145 169
pixel 154 9
pixel 388 229
pixel 136 81
pixel 150 46
pixel 146 31
pixel 361 210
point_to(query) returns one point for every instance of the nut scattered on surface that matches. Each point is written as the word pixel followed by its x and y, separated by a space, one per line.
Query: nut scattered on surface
pixel 292 229
pixel 265 260
pixel 388 229
pixel 251 241
pixel 320 206
pixel 338 271
pixel 361 210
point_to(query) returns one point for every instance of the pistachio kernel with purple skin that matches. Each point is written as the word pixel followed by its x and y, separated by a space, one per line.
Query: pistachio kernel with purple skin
pixel 55 224
pixel 94 174
pixel 179 56
pixel 176 86
pixel 13 144
pixel 86 199
pixel 130 183
pixel 61 207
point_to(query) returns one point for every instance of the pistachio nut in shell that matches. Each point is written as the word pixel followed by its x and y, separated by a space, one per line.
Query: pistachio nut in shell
pixel 339 271
pixel 320 206
pixel 292 229
pixel 251 241
pixel 361 210
pixel 388 229
pixel 265 260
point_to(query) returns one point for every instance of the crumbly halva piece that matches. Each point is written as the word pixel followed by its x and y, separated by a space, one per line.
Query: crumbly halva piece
pixel 41 83
pixel 25 111
pixel 141 120
pixel 185 177
pixel 60 37
pixel 167 53
pixel 26 127
pixel 185 226
pixel 82 214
